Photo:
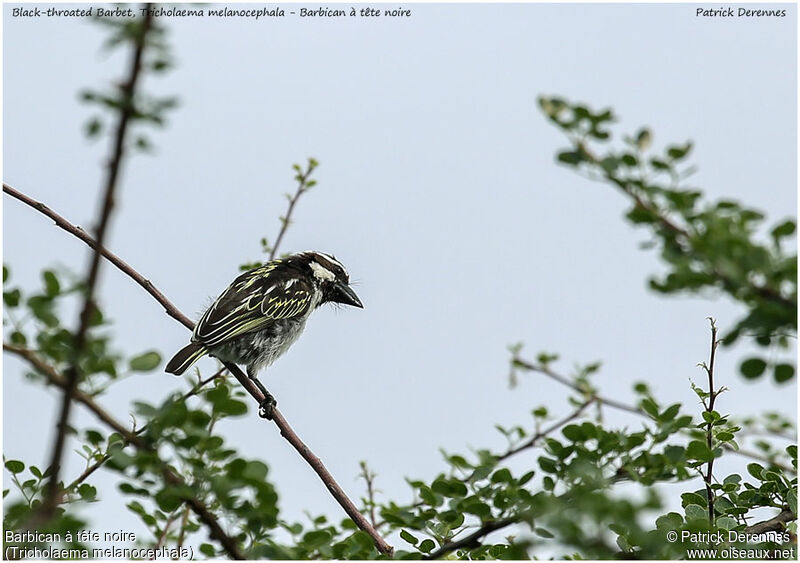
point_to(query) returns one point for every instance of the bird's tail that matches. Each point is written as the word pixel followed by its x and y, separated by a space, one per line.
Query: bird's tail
pixel 185 357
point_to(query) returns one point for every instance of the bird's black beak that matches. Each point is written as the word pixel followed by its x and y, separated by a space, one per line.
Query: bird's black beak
pixel 343 293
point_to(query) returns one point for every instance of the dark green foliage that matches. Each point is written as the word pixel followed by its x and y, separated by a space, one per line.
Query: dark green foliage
pixel 706 245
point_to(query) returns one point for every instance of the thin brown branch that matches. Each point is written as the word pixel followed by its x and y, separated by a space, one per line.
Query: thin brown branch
pixel 59 380
pixel 302 187
pixel 472 540
pixel 549 430
pixel 184 520
pixel 79 233
pixel 334 488
pixel 572 385
pixel 776 524
pixel 127 110
pixel 286 431
pixel 87 472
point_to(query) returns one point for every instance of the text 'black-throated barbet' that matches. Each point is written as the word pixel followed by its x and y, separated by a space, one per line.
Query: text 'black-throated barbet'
pixel 261 314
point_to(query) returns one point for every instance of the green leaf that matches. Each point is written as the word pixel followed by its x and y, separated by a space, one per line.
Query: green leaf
pixel 207 549
pixel 11 298
pixel 408 537
pixel 167 500
pixel 695 512
pixel 548 465
pixel 15 466
pixel 543 533
pixel 5 274
pixel 94 437
pixel 502 475
pixel 231 407
pixel 573 158
pixel 574 433
pixel 670 521
pixel 87 492
pixel 674 453
pixel 93 127
pixel 255 471
pixel 753 367
pixel 785 229
pixel 650 407
pixel 784 372
pixel 51 285
pixel 669 413
pixel 147 361
pixel 699 450
pixel 677 152
pixel 726 523
pixel 316 538
pixel 426 546
pixel 755 470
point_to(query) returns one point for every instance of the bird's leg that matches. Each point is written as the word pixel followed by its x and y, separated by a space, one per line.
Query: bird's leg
pixel 269 402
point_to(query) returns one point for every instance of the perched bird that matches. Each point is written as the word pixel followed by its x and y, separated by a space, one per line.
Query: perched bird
pixel 260 315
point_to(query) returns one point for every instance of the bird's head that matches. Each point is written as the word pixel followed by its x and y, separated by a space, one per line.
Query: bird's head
pixel 331 277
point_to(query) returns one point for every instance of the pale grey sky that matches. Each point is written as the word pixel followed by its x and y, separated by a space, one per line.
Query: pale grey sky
pixel 437 188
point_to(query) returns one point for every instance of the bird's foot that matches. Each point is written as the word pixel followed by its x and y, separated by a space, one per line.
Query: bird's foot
pixel 267 406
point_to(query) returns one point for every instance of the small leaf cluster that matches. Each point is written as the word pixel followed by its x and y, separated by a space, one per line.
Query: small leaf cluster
pixel 156 59
pixel 33 322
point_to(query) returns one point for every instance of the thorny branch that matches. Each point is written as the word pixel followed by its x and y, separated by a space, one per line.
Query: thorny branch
pixel 712 397
pixel 72 375
pixel 59 380
pixel 285 430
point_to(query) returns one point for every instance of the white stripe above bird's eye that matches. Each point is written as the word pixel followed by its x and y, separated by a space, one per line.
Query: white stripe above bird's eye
pixel 327 259
pixel 321 272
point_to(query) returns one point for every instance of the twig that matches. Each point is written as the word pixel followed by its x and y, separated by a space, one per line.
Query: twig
pixel 285 430
pixel 79 233
pixel 549 430
pixel 369 477
pixel 163 535
pixel 599 399
pixel 571 384
pixel 182 533
pixel 302 187
pixel 127 110
pixel 59 380
pixel 99 463
pixel 776 524
pixel 471 540
pixel 712 397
